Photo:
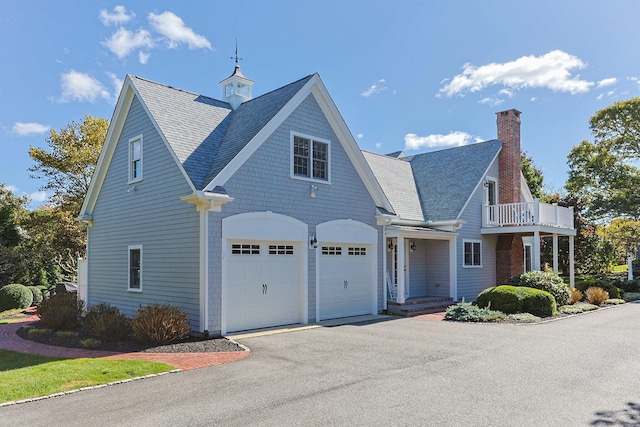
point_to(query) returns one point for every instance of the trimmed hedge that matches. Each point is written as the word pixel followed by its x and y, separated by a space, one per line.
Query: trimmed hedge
pixel 15 296
pixel 545 281
pixel 518 299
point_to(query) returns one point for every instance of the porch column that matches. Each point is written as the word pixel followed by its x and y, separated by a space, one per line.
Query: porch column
pixel 453 271
pixel 555 253
pixel 536 251
pixel 572 274
pixel 401 269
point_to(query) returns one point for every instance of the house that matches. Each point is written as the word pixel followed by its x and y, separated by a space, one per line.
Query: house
pixel 255 212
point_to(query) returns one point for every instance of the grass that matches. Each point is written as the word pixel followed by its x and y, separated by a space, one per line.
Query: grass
pixel 24 376
pixel 14 315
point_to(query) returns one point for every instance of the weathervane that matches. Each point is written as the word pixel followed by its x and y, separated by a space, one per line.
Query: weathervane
pixel 237 58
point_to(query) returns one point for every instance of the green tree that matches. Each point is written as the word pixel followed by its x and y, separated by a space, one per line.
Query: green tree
pixel 604 172
pixel 624 234
pixel 532 174
pixel 12 209
pixel 67 169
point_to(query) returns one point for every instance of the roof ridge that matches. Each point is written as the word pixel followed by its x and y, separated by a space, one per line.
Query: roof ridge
pixel 276 89
pixel 455 148
pixel 401 159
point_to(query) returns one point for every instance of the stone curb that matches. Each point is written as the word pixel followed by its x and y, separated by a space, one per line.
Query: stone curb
pixel 64 393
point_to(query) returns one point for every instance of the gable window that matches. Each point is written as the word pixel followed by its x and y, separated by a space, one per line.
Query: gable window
pixel 472 253
pixel 135 159
pixel 310 158
pixel 135 268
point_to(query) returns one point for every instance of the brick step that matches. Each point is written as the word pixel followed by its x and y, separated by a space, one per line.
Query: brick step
pixel 424 300
pixel 421 306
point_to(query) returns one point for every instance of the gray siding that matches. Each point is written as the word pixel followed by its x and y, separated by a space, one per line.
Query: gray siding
pixel 437 268
pixel 152 216
pixel 263 183
pixel 471 281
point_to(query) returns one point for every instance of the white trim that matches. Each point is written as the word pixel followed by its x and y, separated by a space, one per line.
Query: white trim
pixel 133 180
pixel 312 139
pixel 464 242
pixel 480 182
pixel 496 187
pixel 129 249
pixel 453 269
pixel 265 226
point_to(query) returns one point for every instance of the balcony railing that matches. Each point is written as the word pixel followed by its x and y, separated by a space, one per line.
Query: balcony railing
pixel 527 213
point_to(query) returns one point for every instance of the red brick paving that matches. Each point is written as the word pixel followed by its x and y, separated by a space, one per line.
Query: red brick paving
pixel 9 340
pixel 431 316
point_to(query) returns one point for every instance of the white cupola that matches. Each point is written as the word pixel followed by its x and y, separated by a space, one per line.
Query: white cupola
pixel 236 88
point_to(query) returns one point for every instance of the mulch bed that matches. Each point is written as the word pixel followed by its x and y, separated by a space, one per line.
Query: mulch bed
pixel 187 345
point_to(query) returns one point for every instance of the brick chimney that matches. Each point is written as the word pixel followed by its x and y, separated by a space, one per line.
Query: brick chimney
pixel 509 158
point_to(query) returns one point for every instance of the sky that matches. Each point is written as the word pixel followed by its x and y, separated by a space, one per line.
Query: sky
pixel 406 75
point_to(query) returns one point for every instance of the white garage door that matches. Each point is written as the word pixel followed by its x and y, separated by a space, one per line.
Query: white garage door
pixel 264 284
pixel 346 279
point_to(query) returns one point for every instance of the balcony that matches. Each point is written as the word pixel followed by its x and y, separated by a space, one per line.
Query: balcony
pixel 527 214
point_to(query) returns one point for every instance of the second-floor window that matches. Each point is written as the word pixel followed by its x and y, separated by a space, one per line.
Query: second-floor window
pixel 310 158
pixel 135 159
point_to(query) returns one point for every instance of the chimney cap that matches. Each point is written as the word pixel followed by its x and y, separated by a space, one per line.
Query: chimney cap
pixel 506 112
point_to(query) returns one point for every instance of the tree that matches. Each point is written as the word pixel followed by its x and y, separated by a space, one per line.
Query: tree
pixel 624 234
pixel 604 172
pixel 532 174
pixel 68 168
pixel 12 209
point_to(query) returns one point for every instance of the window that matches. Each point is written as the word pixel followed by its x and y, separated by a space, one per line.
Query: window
pixel 135 159
pixel 245 249
pixel 357 251
pixel 135 268
pixel 331 250
pixel 280 249
pixel 472 253
pixel 527 258
pixel 310 158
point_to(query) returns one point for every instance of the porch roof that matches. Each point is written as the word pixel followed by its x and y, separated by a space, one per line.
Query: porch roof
pixel 418 233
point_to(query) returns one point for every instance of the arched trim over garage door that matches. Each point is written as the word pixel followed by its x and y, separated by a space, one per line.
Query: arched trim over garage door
pixel 346 272
pixel 264 271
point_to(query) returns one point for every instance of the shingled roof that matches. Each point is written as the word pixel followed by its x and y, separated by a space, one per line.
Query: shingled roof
pixel 205 133
pixel 443 180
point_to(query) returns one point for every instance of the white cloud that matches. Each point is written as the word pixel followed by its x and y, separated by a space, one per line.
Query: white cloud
pixel 360 135
pixel 118 17
pixel 38 196
pixel 82 87
pixel 378 144
pixel 123 42
pixel 28 129
pixel 174 29
pixel 506 92
pixel 491 101
pixel 143 57
pixel 375 88
pixel 456 138
pixel 551 71
pixel 533 99
pixel 607 82
pixel 635 80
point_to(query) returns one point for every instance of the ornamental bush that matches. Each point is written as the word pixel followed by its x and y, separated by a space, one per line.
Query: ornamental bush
pixel 596 295
pixel 518 299
pixel 469 312
pixel 37 294
pixel 61 311
pixel 545 281
pixel 15 296
pixel 107 322
pixel 605 285
pixel 160 324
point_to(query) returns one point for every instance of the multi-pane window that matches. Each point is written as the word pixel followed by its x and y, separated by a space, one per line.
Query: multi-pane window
pixel 280 249
pixel 310 158
pixel 357 251
pixel 527 258
pixel 331 250
pixel 472 254
pixel 135 268
pixel 135 159
pixel 245 249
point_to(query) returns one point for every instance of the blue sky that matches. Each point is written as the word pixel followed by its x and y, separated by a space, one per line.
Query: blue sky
pixel 406 75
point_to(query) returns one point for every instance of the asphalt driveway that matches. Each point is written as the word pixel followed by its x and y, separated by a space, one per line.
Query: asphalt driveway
pixel 579 371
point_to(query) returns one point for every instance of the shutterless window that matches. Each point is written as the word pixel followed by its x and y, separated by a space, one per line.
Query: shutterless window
pixel 245 249
pixel 527 258
pixel 310 158
pixel 357 251
pixel 472 254
pixel 331 250
pixel 280 249
pixel 135 159
pixel 135 268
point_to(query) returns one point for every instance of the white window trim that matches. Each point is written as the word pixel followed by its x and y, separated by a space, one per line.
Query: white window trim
pixel 129 249
pixel 497 188
pixel 464 242
pixel 530 246
pixel 291 162
pixel 130 163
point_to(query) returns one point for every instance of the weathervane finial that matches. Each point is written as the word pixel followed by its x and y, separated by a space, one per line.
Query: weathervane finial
pixel 236 57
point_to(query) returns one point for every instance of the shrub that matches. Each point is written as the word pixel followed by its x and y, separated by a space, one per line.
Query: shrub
pixel 45 291
pixel 630 285
pixel 107 322
pixel 632 296
pixel 519 299
pixel 160 324
pixel 90 343
pixel 585 306
pixel 37 294
pixel 545 281
pixel 570 309
pixel 65 335
pixel 469 312
pixel 15 296
pixel 61 311
pixel 576 296
pixel 605 285
pixel 596 295
pixel 37 332
pixel 614 301
pixel 523 318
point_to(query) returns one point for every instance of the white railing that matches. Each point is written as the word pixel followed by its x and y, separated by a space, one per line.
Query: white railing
pixel 527 213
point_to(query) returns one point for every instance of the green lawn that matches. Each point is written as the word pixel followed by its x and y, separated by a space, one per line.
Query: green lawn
pixel 24 376
pixel 12 315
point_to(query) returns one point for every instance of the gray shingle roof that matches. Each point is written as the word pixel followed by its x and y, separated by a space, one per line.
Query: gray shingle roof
pixel 396 179
pixel 205 133
pixel 433 186
pixel 445 179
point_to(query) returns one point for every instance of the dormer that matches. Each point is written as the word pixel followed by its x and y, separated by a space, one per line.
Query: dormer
pixel 236 88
